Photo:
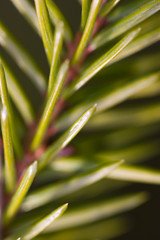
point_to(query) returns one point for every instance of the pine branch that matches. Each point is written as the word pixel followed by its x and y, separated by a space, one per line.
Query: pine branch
pixel 44 164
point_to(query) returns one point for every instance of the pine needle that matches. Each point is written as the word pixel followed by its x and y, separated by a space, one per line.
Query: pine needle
pixel 40 226
pixel 55 191
pixel 85 11
pixel 138 15
pixel 9 170
pixel 66 138
pixel 20 193
pixel 6 103
pixel 108 7
pixel 99 64
pixel 57 47
pixel 45 27
pixel 50 105
pixel 93 13
pixel 18 95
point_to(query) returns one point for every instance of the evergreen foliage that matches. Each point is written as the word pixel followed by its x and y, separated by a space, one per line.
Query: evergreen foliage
pixel 104 82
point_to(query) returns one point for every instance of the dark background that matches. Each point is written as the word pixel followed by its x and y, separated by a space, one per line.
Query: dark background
pixel 145 219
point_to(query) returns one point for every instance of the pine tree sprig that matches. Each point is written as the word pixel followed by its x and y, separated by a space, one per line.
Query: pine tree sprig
pixel 102 87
